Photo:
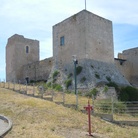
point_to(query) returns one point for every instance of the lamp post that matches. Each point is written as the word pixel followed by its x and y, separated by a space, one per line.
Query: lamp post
pixel 75 79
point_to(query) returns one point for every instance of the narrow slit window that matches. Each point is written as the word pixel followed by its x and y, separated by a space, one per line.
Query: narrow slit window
pixel 27 49
pixel 62 41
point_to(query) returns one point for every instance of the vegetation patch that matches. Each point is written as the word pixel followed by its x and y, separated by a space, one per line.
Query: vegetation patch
pixel 55 74
pixel 57 87
pixel 68 83
pixel 113 84
pixel 128 94
pixel 108 78
pixel 93 92
pixel 105 89
pixel 70 75
pixel 78 70
pixel 83 79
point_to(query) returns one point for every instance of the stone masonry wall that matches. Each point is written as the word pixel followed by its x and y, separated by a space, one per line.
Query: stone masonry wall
pixel 16 55
pixel 86 35
pixel 130 67
pixel 39 70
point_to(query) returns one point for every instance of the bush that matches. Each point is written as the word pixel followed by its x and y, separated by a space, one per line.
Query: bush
pixel 49 84
pixel 57 87
pixel 70 75
pixel 68 83
pixel 108 78
pixel 113 84
pixel 105 89
pixel 93 92
pixel 55 74
pixel 78 70
pixel 128 94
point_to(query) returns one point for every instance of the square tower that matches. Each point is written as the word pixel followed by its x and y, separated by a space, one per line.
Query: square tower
pixel 20 51
pixel 85 35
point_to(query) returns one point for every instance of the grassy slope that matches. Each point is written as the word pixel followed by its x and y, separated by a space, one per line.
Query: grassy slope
pixel 36 118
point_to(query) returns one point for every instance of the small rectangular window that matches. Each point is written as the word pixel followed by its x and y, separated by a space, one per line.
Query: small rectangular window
pixel 27 49
pixel 62 41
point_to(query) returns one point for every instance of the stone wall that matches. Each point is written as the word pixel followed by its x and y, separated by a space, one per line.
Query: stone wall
pixel 86 35
pixel 37 71
pixel 17 56
pixel 129 66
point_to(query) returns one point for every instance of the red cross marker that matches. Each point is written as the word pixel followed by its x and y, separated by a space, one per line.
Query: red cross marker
pixel 89 108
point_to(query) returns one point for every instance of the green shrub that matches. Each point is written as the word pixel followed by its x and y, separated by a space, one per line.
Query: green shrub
pixel 105 89
pixel 68 83
pixel 57 87
pixel 83 79
pixel 113 84
pixel 108 78
pixel 78 70
pixel 128 94
pixel 55 74
pixel 49 84
pixel 93 92
pixel 70 75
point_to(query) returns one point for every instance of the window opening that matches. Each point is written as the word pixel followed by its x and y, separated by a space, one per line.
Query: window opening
pixel 62 41
pixel 27 49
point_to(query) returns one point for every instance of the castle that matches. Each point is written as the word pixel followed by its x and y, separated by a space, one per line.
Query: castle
pixel 84 35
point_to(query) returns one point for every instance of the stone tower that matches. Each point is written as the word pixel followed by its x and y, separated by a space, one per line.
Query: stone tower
pixel 85 35
pixel 127 63
pixel 20 51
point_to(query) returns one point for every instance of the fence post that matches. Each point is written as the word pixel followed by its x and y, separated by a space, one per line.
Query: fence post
pixel 93 102
pixel 19 86
pixel 26 87
pixel 14 85
pixel 33 90
pixel 63 96
pixel 112 99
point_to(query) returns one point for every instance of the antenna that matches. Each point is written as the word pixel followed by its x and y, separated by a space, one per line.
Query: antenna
pixel 85 4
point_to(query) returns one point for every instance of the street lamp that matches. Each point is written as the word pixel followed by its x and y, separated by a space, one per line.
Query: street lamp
pixel 75 79
pixel 75 76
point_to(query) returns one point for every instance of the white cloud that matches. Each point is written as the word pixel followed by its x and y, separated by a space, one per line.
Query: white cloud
pixel 34 18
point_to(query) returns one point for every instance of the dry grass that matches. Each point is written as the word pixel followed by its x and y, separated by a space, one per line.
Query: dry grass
pixel 36 118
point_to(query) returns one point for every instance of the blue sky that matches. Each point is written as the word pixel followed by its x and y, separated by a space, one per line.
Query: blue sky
pixel 34 19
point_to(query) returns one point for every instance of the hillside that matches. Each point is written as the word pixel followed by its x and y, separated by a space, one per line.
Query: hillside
pixel 36 118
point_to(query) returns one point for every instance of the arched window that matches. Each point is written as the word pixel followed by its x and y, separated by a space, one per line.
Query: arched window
pixel 27 49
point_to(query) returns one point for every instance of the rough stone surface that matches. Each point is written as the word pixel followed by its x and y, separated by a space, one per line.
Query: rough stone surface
pixel 86 35
pixel 16 56
pixel 127 63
